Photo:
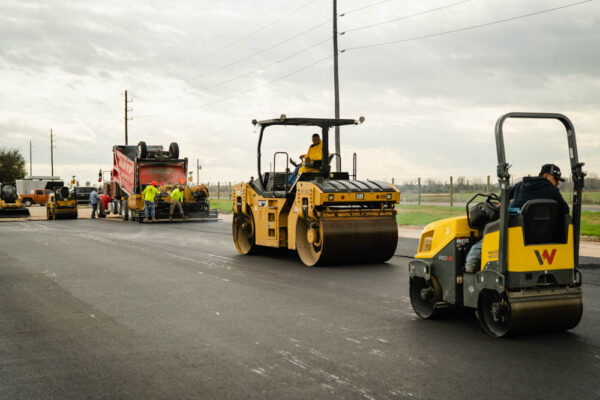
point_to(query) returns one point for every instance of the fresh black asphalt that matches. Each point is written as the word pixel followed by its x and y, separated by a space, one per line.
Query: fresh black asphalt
pixel 114 310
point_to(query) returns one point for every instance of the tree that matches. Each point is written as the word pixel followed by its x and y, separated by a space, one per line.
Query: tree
pixel 12 165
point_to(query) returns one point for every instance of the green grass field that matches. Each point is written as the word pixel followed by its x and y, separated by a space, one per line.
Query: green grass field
pixel 224 206
pixel 463 197
pixel 423 215
pixel 410 214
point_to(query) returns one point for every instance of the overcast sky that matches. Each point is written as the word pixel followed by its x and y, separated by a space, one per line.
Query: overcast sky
pixel 430 104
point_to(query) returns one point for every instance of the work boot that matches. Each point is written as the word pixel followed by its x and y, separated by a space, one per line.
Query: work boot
pixel 146 219
pixel 154 219
pixel 170 218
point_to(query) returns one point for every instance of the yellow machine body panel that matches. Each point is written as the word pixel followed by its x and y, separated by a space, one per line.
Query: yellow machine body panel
pixel 322 226
pixel 61 208
pixel 438 234
pixel 529 258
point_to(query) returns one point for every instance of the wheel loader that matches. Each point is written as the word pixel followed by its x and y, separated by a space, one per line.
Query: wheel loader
pixel 325 216
pixel 62 204
pixel 10 204
pixel 527 279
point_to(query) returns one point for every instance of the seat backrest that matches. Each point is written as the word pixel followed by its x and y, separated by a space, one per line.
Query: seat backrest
pixel 543 222
pixel 279 180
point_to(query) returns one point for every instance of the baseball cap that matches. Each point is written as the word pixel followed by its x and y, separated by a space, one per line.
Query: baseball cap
pixel 553 170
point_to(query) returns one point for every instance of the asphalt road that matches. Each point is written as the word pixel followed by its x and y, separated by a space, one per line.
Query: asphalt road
pixel 114 310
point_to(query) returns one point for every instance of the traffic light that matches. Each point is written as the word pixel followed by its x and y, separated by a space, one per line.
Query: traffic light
pixel 100 176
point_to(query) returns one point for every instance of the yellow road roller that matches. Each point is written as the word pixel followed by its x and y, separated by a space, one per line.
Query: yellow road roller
pixel 527 280
pixel 62 204
pixel 10 204
pixel 325 216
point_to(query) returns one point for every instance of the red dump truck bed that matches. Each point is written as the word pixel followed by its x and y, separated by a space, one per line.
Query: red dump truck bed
pixel 132 173
pixel 135 167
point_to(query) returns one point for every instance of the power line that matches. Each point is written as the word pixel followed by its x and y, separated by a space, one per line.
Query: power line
pixel 363 7
pixel 466 28
pixel 236 41
pixel 257 69
pixel 256 87
pixel 264 50
pixel 431 10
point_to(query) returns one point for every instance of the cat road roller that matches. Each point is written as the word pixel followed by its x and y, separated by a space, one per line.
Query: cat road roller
pixel 10 204
pixel 527 280
pixel 325 216
pixel 62 204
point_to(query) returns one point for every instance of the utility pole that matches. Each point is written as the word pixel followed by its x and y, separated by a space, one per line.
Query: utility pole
pixel 127 109
pixel 30 160
pixel 51 154
pixel 198 168
pixel 336 88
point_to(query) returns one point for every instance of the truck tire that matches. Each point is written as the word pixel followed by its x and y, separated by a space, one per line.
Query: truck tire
pixel 124 210
pixel 28 202
pixel 142 150
pixel 174 150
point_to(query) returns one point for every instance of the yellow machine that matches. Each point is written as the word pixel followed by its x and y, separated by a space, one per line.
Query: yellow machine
pixel 10 205
pixel 62 205
pixel 325 216
pixel 528 279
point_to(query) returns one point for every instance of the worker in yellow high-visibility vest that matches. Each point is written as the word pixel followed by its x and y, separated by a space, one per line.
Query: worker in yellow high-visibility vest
pixel 309 160
pixel 149 194
pixel 176 199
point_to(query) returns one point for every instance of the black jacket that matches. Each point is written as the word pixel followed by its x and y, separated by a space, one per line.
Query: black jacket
pixel 536 187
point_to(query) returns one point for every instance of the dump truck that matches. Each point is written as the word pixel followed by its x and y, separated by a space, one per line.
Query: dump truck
pixel 135 167
pixel 10 204
pixel 527 279
pixel 325 216
pixel 62 204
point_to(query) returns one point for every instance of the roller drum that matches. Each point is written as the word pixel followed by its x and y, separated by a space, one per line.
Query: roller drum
pixel 537 311
pixel 340 240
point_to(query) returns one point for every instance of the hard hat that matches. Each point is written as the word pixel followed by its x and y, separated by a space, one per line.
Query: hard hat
pixel 182 181
pixel 154 183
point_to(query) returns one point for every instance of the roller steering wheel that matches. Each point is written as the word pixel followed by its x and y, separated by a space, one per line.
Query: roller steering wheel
pixel 492 200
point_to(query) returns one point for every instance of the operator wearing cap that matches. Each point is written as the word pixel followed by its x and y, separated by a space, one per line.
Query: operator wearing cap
pixel 149 194
pixel 544 186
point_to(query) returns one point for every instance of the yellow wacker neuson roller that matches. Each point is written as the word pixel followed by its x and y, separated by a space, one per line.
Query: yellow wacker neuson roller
pixel 527 280
pixel 325 216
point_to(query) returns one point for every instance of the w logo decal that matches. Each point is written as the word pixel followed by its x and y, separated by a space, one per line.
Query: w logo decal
pixel 545 256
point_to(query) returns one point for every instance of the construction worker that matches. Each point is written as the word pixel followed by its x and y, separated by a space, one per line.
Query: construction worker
pixel 176 199
pixel 310 161
pixel 149 194
pixel 94 200
pixel 544 186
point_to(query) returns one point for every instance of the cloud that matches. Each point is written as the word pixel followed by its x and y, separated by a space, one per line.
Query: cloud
pixel 430 104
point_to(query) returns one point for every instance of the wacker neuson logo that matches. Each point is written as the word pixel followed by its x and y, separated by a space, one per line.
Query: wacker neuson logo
pixel 545 256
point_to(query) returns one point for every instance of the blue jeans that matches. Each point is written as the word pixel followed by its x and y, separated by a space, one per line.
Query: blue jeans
pixel 150 205
pixel 94 208
pixel 474 257
pixel 294 175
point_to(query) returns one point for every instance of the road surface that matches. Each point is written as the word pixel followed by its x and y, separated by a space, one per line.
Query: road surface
pixel 116 310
